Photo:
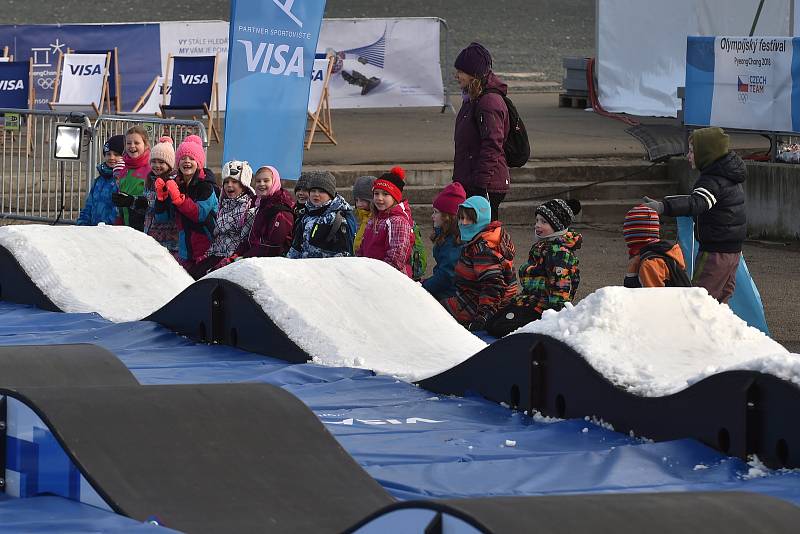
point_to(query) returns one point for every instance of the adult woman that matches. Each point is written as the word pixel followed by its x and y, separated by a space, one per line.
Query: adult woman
pixel 481 128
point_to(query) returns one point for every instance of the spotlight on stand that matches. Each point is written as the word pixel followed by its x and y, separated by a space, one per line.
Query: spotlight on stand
pixel 69 135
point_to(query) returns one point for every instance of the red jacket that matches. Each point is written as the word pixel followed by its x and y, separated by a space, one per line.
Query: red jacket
pixel 273 227
pixel 389 237
pixel 484 277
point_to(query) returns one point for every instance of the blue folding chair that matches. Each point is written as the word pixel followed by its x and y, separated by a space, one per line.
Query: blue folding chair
pixel 16 92
pixel 114 79
pixel 194 90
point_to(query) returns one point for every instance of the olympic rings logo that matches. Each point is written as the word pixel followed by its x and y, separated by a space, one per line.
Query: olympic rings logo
pixel 45 83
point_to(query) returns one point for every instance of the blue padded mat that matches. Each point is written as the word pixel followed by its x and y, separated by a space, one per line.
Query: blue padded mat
pixel 415 443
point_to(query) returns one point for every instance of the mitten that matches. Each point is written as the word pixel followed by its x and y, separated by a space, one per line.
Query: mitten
pixel 479 323
pixel 140 203
pixel 227 261
pixel 174 193
pixel 656 205
pixel 161 190
pixel 119 169
pixel 122 200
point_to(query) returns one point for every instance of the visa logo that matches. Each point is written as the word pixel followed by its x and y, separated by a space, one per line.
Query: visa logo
pixel 194 79
pixel 85 70
pixel 266 52
pixel 11 85
pixel 316 76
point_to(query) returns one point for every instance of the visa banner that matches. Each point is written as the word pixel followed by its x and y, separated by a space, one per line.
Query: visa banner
pixel 751 83
pixel 270 58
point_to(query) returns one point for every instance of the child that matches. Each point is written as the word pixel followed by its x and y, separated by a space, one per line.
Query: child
pixel 99 207
pixel 551 276
pixel 652 262
pixel 130 199
pixel 325 226
pixel 362 197
pixel 389 234
pixel 232 224
pixel 192 195
pixel 272 219
pixel 159 218
pixel 446 239
pixel 484 275
pixel 301 193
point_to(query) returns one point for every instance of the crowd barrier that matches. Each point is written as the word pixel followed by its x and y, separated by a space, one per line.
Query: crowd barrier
pixel 35 187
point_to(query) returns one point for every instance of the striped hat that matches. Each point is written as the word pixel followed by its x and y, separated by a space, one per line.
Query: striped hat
pixel 641 226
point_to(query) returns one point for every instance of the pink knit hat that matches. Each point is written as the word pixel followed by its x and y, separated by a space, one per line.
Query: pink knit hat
pixel 192 146
pixel 448 200
pixel 164 150
pixel 276 179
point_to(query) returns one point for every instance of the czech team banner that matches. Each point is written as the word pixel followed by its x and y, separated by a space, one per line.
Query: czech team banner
pixel 743 82
pixel 270 58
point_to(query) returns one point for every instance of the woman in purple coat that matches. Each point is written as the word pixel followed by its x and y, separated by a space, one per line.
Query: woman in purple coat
pixel 481 128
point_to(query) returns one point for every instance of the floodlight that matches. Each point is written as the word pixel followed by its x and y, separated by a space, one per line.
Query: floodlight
pixel 68 141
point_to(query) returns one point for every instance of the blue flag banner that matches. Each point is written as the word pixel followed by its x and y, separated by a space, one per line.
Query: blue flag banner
pixel 746 301
pixel 14 84
pixel 138 47
pixel 192 79
pixel 271 55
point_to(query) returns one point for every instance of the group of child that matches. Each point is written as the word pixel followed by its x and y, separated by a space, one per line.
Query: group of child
pixel 170 195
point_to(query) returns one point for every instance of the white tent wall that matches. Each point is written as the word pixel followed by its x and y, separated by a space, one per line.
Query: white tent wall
pixel 641 45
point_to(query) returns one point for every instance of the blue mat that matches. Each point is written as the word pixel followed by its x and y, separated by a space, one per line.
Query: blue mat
pixel 417 444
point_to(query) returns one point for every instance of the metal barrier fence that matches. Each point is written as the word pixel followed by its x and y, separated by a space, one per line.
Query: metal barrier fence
pixel 36 187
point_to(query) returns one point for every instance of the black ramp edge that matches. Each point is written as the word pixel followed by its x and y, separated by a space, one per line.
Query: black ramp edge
pixel 17 286
pixel 655 513
pixel 219 311
pixel 23 366
pixel 737 412
pixel 209 458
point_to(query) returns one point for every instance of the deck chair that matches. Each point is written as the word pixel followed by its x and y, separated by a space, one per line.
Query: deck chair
pixel 194 90
pixel 16 92
pixel 152 98
pixel 319 106
pixel 114 78
pixel 82 83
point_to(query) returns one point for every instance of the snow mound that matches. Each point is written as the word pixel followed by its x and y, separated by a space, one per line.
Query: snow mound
pixel 657 341
pixel 356 312
pixel 116 271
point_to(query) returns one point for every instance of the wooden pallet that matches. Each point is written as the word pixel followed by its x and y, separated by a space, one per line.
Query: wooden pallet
pixel 573 101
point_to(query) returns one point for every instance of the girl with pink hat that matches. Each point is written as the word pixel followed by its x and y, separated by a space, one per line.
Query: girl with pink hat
pixel 446 239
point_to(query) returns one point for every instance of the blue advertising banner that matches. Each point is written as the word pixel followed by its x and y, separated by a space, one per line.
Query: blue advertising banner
pixel 192 79
pixel 750 83
pixel 746 301
pixel 271 55
pixel 138 46
pixel 14 84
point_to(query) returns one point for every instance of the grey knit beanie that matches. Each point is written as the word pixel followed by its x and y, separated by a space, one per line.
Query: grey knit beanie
pixel 321 180
pixel 301 183
pixel 363 188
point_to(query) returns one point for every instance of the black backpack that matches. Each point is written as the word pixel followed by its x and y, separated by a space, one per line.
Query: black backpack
pixel 516 146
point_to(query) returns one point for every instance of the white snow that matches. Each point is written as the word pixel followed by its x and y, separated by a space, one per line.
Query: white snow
pixel 116 271
pixel 356 312
pixel 657 341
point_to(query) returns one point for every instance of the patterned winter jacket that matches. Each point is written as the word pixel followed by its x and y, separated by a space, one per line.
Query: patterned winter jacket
pixel 389 237
pixel 233 224
pixel 98 207
pixel 159 219
pixel 484 275
pixel 131 180
pixel 271 228
pixel 196 216
pixel 551 276
pixel 325 231
pixel 441 284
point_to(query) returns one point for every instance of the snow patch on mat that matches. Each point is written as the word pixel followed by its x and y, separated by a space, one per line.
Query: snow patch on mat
pixel 356 312
pixel 657 341
pixel 115 271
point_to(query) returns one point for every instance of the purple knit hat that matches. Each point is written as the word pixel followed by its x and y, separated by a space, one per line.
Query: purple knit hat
pixel 475 60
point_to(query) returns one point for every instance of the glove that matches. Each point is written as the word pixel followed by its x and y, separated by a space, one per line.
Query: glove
pixel 118 169
pixel 161 190
pixel 174 193
pixel 227 261
pixel 140 203
pixel 122 200
pixel 656 205
pixel 477 324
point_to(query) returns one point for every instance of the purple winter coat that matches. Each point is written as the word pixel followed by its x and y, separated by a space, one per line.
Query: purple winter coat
pixel 479 161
